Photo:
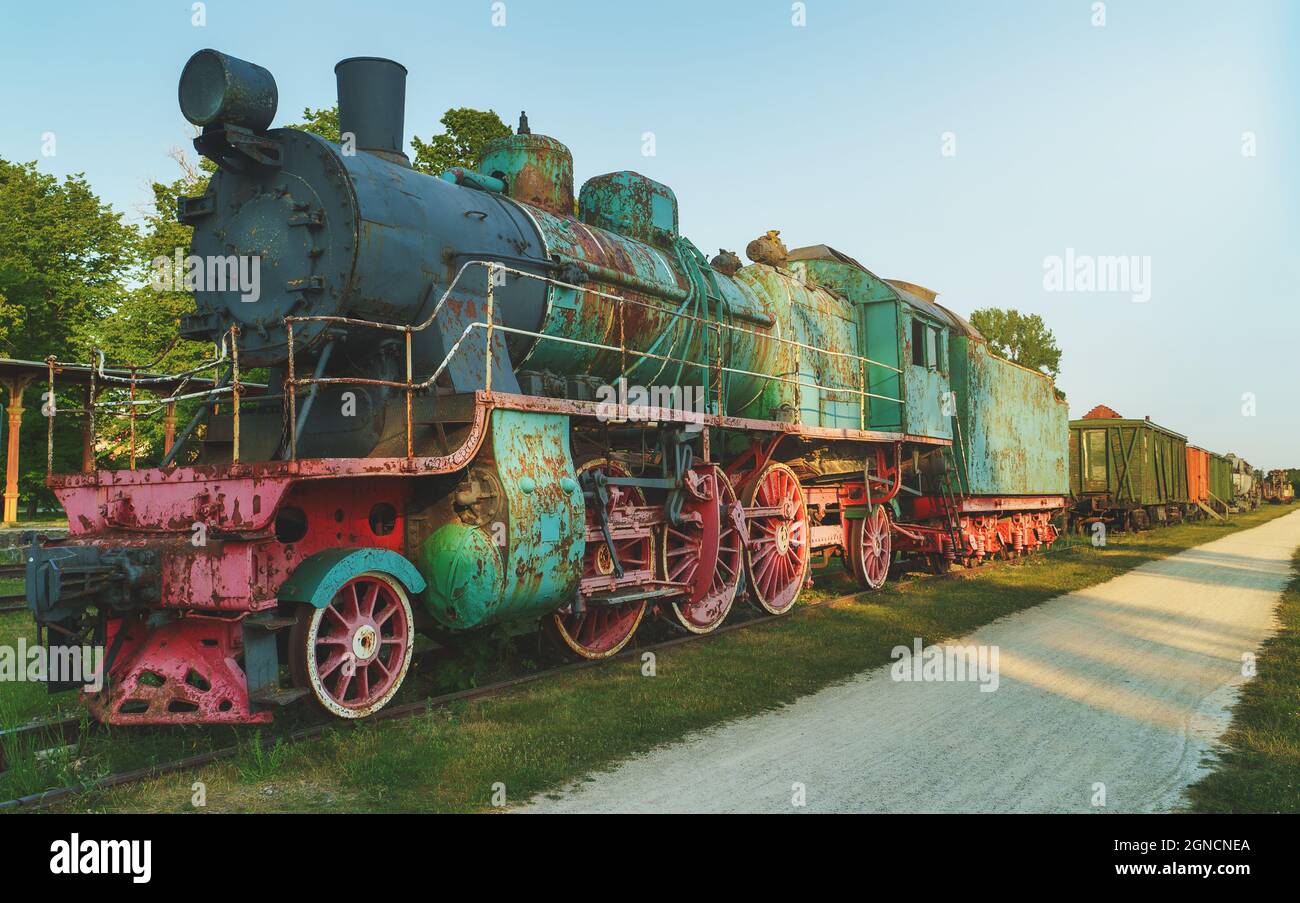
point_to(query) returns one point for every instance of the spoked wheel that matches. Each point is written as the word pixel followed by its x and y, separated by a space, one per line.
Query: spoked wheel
pixel 354 653
pixel 872 550
pixel 777 555
pixel 602 630
pixel 688 546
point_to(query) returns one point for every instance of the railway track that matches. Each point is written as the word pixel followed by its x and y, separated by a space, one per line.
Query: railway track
pixel 70 728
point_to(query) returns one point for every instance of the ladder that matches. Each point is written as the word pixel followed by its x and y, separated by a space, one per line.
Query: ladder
pixel 948 497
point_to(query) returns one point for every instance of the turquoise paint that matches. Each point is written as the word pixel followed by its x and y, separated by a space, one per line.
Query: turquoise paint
pixel 547 527
pixel 630 204
pixel 925 386
pixel 464 568
pixel 530 562
pixel 318 579
pixel 1014 432
pixel 535 169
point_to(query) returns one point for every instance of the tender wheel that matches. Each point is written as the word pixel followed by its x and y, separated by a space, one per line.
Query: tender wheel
pixel 873 550
pixel 603 630
pixel 354 653
pixel 777 555
pixel 686 546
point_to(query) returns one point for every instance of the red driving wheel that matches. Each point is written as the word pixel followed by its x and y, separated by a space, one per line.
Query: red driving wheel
pixel 777 555
pixel 873 548
pixel 687 545
pixel 602 630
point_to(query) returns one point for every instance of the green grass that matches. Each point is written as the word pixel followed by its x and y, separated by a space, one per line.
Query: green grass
pixel 22 701
pixel 58 521
pixel 1259 768
pixel 539 737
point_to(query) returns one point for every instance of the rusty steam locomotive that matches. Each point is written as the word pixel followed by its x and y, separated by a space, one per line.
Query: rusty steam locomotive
pixel 488 404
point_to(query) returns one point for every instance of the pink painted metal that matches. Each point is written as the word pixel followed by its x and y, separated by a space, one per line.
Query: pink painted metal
pixel 184 672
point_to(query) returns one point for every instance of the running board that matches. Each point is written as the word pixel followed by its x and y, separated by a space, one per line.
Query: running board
pixel 633 595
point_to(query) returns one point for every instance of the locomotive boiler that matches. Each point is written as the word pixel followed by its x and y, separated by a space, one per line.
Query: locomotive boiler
pixel 494 404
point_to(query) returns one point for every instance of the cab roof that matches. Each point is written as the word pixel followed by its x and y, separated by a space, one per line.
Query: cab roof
pixel 917 296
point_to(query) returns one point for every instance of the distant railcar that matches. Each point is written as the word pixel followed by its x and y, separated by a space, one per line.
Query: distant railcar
pixel 1198 476
pixel 1276 488
pixel 1129 472
pixel 1245 487
pixel 1221 478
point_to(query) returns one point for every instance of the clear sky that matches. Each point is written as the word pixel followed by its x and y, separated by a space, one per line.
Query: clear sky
pixel 1122 139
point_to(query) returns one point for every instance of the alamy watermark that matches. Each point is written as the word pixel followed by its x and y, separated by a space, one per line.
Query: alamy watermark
pixel 622 401
pixel 34 663
pixel 103 857
pixel 215 273
pixel 1073 272
pixel 944 664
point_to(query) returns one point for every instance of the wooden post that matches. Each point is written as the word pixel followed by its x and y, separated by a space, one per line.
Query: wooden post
pixel 88 433
pixel 169 428
pixel 16 386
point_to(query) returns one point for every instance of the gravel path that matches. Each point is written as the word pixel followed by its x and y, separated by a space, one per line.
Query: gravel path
pixel 1126 684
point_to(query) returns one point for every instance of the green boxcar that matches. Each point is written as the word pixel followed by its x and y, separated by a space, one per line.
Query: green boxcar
pixel 1013 436
pixel 1120 464
pixel 1221 477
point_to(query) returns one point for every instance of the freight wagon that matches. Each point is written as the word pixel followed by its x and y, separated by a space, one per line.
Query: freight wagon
pixel 1221 491
pixel 1130 473
pixel 1198 478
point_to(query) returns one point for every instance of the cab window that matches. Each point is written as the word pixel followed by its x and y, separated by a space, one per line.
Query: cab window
pixel 918 342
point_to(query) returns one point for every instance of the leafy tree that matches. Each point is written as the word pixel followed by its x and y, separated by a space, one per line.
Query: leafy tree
pixel 466 133
pixel 1021 338
pixel 143 323
pixel 323 122
pixel 64 256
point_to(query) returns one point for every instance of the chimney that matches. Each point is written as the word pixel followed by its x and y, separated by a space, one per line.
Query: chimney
pixel 372 105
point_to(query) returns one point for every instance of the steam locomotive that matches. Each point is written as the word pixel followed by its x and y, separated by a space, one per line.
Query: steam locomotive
pixel 490 405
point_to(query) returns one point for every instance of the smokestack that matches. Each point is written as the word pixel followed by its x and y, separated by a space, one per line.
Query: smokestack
pixel 372 105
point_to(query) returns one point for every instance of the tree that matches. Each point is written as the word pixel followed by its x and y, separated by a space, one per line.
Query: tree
pixel 64 256
pixel 323 122
pixel 1020 338
pixel 143 323
pixel 466 133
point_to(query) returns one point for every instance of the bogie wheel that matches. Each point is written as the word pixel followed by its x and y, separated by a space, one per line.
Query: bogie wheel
pixel 354 653
pixel 873 550
pixel 603 630
pixel 776 558
pixel 685 546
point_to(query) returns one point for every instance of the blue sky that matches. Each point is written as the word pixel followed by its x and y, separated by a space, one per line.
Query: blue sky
pixel 1124 139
